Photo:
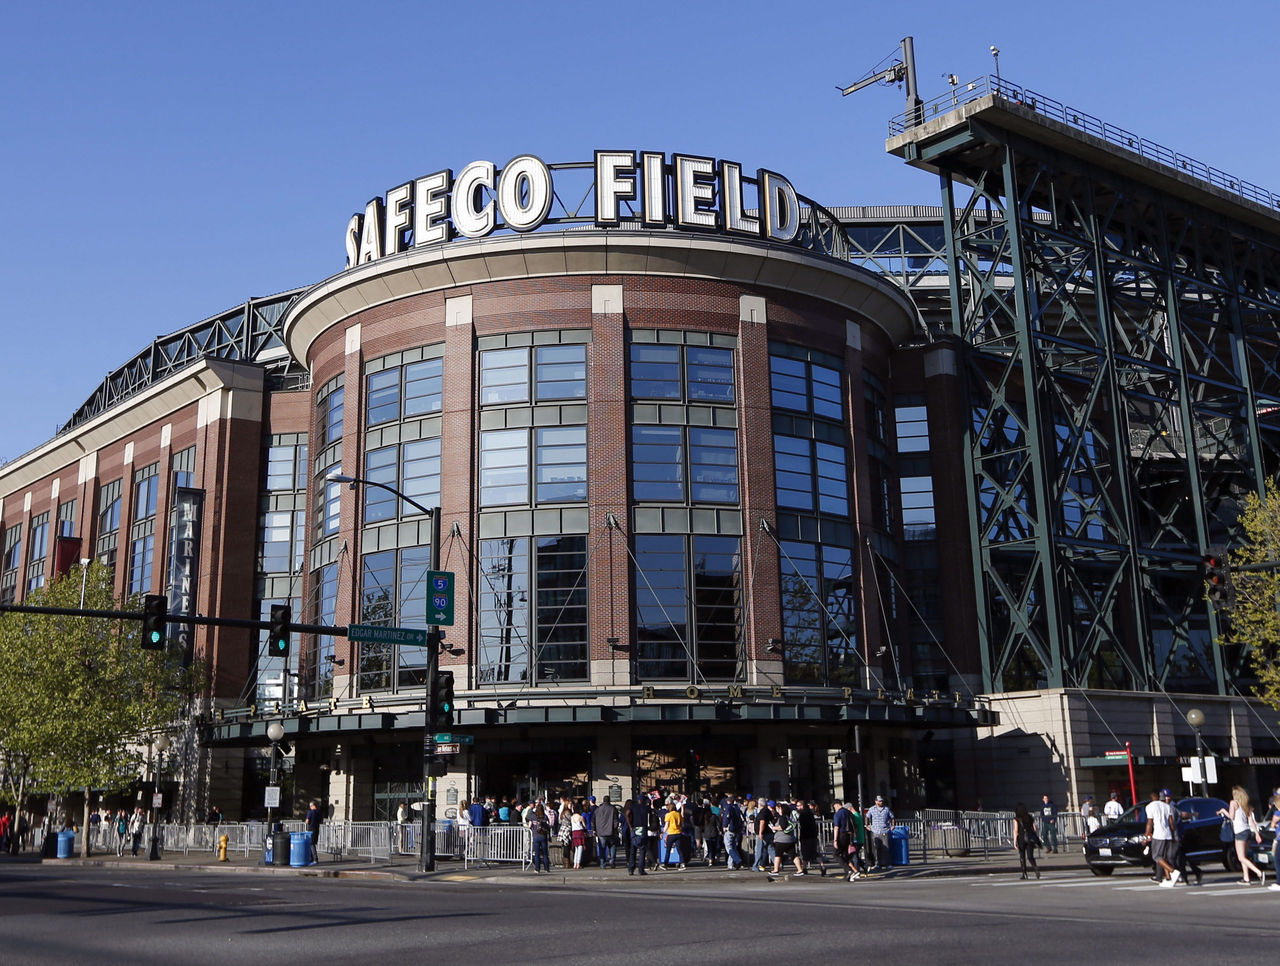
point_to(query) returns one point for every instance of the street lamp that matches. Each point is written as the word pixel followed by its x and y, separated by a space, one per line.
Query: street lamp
pixel 161 745
pixel 427 833
pixel 275 731
pixel 1195 718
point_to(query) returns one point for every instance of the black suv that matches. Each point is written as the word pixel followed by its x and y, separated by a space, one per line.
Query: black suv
pixel 1123 843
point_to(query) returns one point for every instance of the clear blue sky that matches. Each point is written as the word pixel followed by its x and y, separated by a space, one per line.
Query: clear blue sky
pixel 161 163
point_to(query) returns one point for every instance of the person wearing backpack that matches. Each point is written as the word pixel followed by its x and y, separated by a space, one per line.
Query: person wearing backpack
pixel 540 826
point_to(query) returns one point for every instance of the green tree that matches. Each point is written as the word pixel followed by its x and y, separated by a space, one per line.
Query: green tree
pixel 1251 610
pixel 79 699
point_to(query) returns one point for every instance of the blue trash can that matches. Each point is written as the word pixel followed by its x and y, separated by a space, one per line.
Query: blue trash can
pixel 668 858
pixel 66 844
pixel 300 849
pixel 899 847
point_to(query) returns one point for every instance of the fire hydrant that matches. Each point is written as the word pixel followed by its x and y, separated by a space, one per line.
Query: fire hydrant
pixel 222 848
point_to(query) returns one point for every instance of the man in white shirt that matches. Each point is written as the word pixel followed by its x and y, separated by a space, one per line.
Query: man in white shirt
pixel 1113 809
pixel 1160 836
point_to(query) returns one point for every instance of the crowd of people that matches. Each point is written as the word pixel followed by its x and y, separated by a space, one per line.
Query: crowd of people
pixel 663 830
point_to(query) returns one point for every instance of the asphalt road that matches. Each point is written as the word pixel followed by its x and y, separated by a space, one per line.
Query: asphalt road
pixel 52 915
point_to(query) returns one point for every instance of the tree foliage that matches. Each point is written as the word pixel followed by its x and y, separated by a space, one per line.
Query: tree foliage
pixel 79 699
pixel 1252 610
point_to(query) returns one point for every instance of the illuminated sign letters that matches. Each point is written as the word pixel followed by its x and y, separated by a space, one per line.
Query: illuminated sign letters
pixel 689 193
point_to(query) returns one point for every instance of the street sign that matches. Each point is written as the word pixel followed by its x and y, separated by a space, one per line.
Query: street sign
pixel 448 748
pixel 376 634
pixel 440 605
pixel 273 797
pixel 458 739
pixel 157 800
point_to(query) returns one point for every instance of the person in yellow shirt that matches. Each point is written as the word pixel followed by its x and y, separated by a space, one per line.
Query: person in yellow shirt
pixel 671 827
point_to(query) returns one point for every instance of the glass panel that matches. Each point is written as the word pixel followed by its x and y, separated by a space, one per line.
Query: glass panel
pixel 561 456
pixel 504 611
pixel 655 371
pixel 560 372
pixel 801 616
pixel 280 468
pixel 657 458
pixel 841 632
pixel 420 474
pixel 412 659
pixel 833 479
pixel 423 387
pixel 713 465
pixel 717 606
pixel 504 467
pixel 793 472
pixel 380 467
pixel 661 598
pixel 561 614
pixel 826 392
pixel 383 398
pixel 504 376
pixel 377 606
pixel 710 374
pixel 787 380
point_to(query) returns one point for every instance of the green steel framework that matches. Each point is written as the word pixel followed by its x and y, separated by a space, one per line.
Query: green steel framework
pixel 1120 331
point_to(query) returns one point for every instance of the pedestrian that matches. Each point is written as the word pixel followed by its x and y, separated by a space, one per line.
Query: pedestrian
pixel 1026 839
pixel 732 825
pixel 786 837
pixel 313 828
pixel 1113 810
pixel 1160 836
pixel 1243 827
pixel 1180 860
pixel 214 817
pixel 880 822
pixel 764 836
pixel 137 822
pixel 638 820
pixel 1049 824
pixel 1089 814
pixel 807 823
pixel 540 825
pixel 477 815
pixel 402 814
pixel 842 841
pixel 672 830
pixel 605 822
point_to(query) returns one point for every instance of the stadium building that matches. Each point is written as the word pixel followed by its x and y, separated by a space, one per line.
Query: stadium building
pixel 737 491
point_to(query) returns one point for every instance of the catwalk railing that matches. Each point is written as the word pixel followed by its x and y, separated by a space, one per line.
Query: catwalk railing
pixel 1088 124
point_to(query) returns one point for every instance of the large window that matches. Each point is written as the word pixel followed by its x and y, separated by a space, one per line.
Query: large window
pixel 328 503
pixel 542 374
pixel 329 406
pixel 287 463
pixel 38 551
pixel 67 519
pixel 108 523
pixel 282 541
pixel 664 457
pixel 403 392
pixel 325 610
pixel 810 474
pixel 142 531
pixel 559 469
pixel 818 630
pixel 10 563
pixel 393 593
pixel 693 373
pixel 688 594
pixel 271 673
pixel 805 387
pixel 533 621
pixel 412 468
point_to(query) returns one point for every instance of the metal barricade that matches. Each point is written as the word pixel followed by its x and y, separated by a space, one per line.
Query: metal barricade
pixel 448 839
pixel 497 843
pixel 370 839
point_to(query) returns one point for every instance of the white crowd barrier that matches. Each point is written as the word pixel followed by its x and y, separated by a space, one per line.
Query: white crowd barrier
pixel 497 843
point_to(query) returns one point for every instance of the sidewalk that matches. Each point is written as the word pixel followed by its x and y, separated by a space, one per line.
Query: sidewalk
pixel 404 868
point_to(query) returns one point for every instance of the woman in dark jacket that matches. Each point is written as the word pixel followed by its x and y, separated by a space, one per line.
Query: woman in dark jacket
pixel 1026 837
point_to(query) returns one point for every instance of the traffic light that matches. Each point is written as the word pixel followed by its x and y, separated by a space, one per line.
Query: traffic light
pixel 1216 576
pixel 442 703
pixel 155 615
pixel 437 767
pixel 278 633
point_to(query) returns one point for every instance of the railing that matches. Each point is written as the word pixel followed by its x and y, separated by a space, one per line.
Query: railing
pixel 497 843
pixel 1081 121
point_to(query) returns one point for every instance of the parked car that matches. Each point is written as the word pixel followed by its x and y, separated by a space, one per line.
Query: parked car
pixel 1123 844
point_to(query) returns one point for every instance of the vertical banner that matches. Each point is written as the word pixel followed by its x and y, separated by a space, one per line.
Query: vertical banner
pixel 184 560
pixel 66 554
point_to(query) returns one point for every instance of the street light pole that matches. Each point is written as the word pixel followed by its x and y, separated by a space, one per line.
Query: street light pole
pixel 1195 718
pixel 275 731
pixel 427 831
pixel 161 745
